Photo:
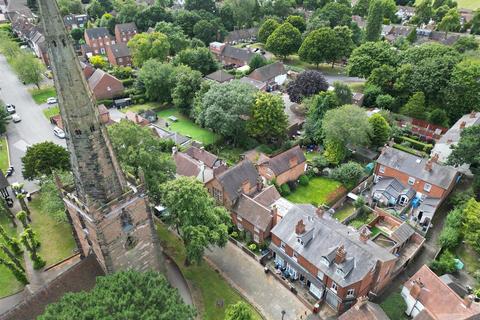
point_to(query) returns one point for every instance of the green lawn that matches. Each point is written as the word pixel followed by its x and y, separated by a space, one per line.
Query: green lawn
pixel 357 86
pixel 187 127
pixel 319 191
pixel 395 306
pixel 345 211
pixel 41 95
pixel 8 284
pixel 326 68
pixel 311 155
pixel 56 238
pixel 361 220
pixel 209 287
pixel 51 111
pixel 3 154
pixel 142 107
pixel 469 257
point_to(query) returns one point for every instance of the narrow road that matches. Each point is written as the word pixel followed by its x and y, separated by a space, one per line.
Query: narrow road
pixel 33 128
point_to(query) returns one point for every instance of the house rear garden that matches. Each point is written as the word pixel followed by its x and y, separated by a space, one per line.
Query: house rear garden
pixel 320 190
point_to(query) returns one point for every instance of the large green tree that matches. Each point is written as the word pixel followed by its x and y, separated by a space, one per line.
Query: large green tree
pixel 188 82
pixel 44 158
pixel 176 37
pixel 159 80
pixel 142 154
pixel 200 59
pixel 467 150
pixel 123 295
pixel 284 41
pixel 207 5
pixel 374 20
pixel 145 46
pixel 380 130
pixel 268 120
pixel 28 68
pixel 462 90
pixel 70 7
pixel 370 56
pixel 336 13
pixel 450 22
pixel 243 11
pixel 320 46
pixel 415 107
pixel 266 29
pixel 206 31
pixel 225 108
pixel 195 216
pixel 317 106
pixel 298 22
pixel 423 12
pixel 471 224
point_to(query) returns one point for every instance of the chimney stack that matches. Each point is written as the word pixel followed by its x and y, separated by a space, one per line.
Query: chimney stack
pixel 473 114
pixel 435 158
pixel 365 234
pixel 246 187
pixel 463 124
pixel 341 254
pixel 361 301
pixel 467 300
pixel 428 165
pixel 416 288
pixel 274 213
pixel 300 227
pixel 319 211
pixel 259 183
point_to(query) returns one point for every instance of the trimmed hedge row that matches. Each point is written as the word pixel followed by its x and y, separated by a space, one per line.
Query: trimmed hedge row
pixel 418 145
pixel 409 150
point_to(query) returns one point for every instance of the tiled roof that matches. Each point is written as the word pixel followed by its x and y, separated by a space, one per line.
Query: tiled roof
pixel 267 196
pixel 365 311
pixel 439 299
pixel 220 76
pixel 232 179
pixel 209 159
pixel 80 277
pixel 237 53
pixel 96 33
pixel 281 162
pixel 120 50
pixel 402 233
pixel 268 72
pixel 414 166
pixel 254 212
pixel 392 188
pixel 126 27
pixel 328 236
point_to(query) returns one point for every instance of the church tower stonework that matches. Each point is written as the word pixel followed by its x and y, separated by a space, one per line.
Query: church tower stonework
pixel 110 217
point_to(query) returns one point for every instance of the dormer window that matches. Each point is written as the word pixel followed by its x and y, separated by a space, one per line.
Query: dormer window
pixel 299 240
pixel 340 272
pixel 325 261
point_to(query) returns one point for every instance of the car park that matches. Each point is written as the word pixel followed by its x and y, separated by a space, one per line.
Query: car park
pixel 10 108
pixel 16 118
pixel 52 100
pixel 59 132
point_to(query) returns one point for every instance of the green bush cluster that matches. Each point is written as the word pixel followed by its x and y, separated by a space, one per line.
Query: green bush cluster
pixel 408 150
pixel 418 145
pixel 303 180
pixel 252 247
pixel 127 82
pixel 444 264
pixel 284 190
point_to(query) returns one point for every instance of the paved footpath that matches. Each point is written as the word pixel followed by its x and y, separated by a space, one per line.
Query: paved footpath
pixel 264 291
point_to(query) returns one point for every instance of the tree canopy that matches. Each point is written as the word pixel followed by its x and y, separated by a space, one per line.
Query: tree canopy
pixel 123 295
pixel 145 46
pixel 268 120
pixel 44 158
pixel 194 214
pixel 284 40
pixel 307 84
pixel 200 59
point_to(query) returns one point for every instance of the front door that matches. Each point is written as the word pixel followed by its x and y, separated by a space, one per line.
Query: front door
pixel 332 300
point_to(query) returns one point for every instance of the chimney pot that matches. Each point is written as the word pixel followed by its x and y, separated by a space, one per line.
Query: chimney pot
pixel 340 255
pixel 416 288
pixel 365 234
pixel 428 165
pixel 467 301
pixel 463 124
pixel 361 301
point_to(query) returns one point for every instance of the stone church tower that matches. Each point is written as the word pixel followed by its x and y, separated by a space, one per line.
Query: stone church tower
pixel 110 217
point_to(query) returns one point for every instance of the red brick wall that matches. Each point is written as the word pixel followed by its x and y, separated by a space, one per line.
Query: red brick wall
pixel 248 226
pixel 290 175
pixel 436 191
pixel 123 37
pixel 97 44
pixel 101 90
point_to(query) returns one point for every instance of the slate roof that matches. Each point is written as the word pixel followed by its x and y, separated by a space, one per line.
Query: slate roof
pixel 253 211
pixel 237 53
pixel 281 162
pixel 165 134
pixel 220 76
pixel 392 188
pixel 96 33
pixel 439 299
pixel 328 236
pixel 268 72
pixel 366 311
pixel 241 34
pixel 120 50
pixel 232 179
pixel 402 233
pixel 429 205
pixel 257 84
pixel 80 277
pixel 441 176
pixel 209 159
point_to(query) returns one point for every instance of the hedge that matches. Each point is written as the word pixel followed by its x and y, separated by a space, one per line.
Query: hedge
pixel 128 82
pixel 107 102
pixel 418 145
pixel 409 150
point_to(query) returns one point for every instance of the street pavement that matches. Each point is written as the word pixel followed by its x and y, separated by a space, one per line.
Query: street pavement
pixel 33 128
pixel 263 290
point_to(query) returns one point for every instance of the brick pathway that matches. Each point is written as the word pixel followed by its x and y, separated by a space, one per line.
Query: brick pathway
pixel 262 290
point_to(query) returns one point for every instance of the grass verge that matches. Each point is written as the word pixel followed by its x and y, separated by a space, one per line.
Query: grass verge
pixel 208 286
pixel 41 95
pixel 56 238
pixel 344 211
pixel 3 154
pixel 318 191
pixel 51 111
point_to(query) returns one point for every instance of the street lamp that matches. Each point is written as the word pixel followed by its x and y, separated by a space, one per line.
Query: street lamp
pixel 283 313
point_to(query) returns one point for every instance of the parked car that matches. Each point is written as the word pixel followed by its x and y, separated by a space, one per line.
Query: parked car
pixel 52 100
pixel 59 132
pixel 10 108
pixel 16 118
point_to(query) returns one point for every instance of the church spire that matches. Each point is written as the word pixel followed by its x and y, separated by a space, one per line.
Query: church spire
pixel 98 177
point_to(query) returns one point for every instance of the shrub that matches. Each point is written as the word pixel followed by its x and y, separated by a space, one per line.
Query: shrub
pixel 284 190
pixel 252 247
pixel 292 185
pixel 127 82
pixel 348 174
pixel 449 238
pixel 234 234
pixel 303 180
pixel 418 145
pixel 445 264
pixel 319 162
pixel 38 263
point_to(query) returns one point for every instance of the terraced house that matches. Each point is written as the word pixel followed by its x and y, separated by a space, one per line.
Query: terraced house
pixel 331 262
